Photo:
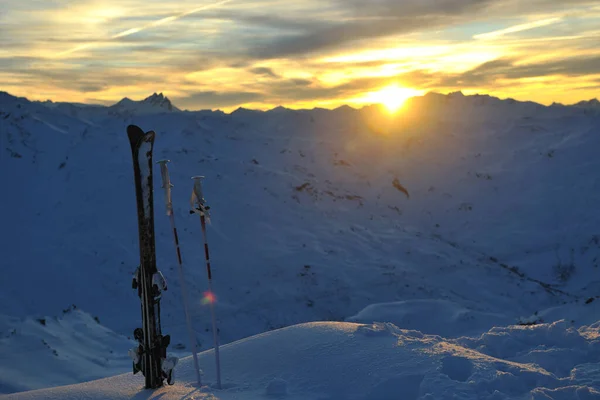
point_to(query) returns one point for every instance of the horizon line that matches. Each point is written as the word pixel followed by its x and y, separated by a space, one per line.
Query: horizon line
pixel 241 107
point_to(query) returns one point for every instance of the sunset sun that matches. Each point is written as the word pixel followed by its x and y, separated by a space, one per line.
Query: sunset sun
pixel 392 97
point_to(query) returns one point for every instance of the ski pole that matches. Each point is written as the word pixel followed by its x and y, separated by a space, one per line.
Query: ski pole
pixel 200 207
pixel 164 171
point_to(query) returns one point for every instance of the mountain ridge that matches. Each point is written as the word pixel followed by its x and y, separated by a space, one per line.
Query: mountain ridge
pixel 158 102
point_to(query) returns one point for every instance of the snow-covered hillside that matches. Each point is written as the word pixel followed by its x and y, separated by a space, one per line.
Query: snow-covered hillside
pixel 466 205
pixel 328 360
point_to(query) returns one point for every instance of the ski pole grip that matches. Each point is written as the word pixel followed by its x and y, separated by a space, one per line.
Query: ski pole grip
pixel 164 172
pixel 166 184
pixel 198 195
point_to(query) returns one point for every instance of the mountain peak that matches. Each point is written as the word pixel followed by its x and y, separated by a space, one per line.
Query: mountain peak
pixel 6 97
pixel 589 103
pixel 154 98
pixel 245 111
pixel 279 109
pixel 344 108
pixel 161 101
pixel 156 102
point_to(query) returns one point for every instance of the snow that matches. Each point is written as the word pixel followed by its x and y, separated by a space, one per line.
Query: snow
pixel 309 224
pixel 58 349
pixel 444 318
pixel 336 360
pixel 156 103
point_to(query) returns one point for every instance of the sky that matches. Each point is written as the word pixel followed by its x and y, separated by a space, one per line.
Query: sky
pixel 298 53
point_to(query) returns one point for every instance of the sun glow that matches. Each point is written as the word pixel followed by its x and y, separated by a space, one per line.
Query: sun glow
pixel 392 97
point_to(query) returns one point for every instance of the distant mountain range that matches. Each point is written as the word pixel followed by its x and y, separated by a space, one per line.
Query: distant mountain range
pixel 158 102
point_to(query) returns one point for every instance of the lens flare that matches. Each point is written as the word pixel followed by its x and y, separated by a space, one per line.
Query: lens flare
pixel 209 298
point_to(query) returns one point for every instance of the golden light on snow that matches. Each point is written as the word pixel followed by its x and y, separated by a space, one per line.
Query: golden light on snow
pixel 392 97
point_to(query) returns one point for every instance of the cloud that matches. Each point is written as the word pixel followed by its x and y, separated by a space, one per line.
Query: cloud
pixel 595 86
pixel 370 20
pixel 150 25
pixel 299 23
pixel 214 99
pixel 485 76
pixel 271 51
pixel 518 28
pixel 264 71
pixel 412 8
pixel 305 90
pixel 16 63
pixel 507 68
pixel 506 72
pixel 575 66
pixel 519 7
pixel 278 91
pixel 91 78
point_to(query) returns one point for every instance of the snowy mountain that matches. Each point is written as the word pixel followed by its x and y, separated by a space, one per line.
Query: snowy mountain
pixel 593 103
pixel 586 104
pixel 461 214
pixel 155 103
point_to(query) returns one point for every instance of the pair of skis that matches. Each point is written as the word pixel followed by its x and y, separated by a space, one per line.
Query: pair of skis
pixel 150 356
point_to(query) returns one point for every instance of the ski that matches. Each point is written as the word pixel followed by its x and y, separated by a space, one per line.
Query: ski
pixel 150 357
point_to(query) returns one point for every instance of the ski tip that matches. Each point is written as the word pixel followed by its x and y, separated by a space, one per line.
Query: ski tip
pixel 149 136
pixel 135 134
pixel 164 161
pixel 198 177
pixel 134 129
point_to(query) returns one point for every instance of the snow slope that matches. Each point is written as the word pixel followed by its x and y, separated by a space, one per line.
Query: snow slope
pixel 468 208
pixel 72 347
pixel 335 361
